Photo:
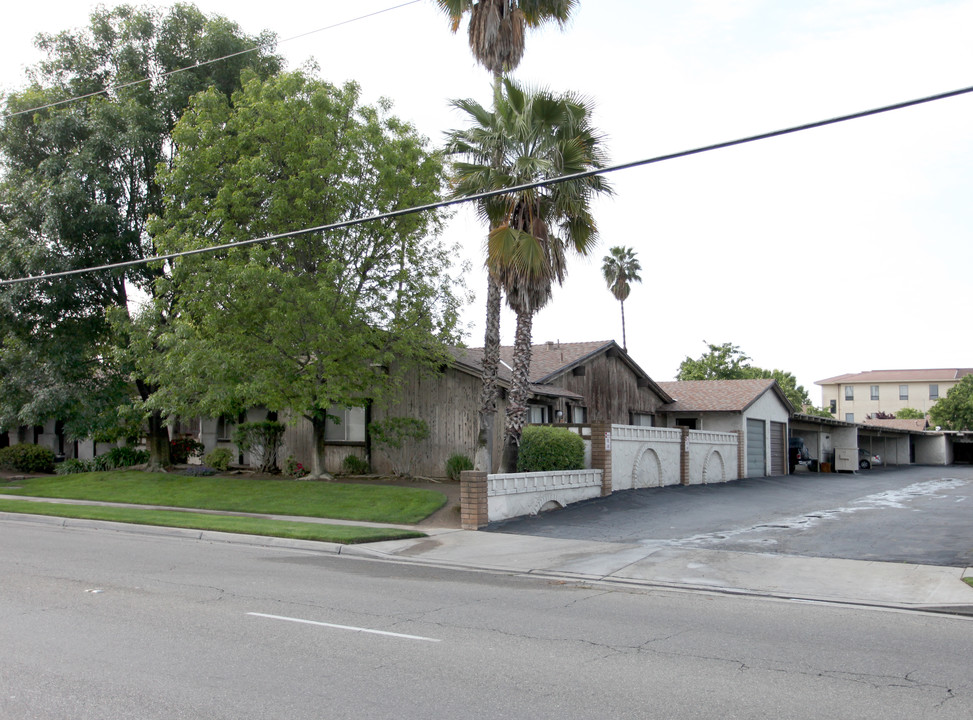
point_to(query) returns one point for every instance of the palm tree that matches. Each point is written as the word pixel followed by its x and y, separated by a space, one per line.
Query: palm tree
pixel 498 27
pixel 621 268
pixel 497 33
pixel 529 136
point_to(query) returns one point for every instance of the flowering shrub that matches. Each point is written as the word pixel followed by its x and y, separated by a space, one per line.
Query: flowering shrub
pixel 181 449
pixel 292 468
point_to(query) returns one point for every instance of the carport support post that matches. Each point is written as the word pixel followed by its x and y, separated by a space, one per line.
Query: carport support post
pixel 684 456
pixel 474 512
pixel 601 454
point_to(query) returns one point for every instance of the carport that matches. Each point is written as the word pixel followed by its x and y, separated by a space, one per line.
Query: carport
pixel 822 435
pixel 893 445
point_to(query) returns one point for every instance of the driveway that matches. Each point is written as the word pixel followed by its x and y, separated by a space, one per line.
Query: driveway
pixel 913 515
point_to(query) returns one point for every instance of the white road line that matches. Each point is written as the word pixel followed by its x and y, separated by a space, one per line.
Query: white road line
pixel 344 627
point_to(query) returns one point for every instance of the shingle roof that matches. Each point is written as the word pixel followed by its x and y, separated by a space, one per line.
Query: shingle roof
pixel 892 376
pixel 550 358
pixel 715 395
pixel 470 360
pixel 897 423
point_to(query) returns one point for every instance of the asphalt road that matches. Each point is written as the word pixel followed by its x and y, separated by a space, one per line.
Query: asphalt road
pixel 102 625
pixel 921 515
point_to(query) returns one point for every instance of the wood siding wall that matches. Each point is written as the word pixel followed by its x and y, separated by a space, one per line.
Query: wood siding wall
pixel 449 402
pixel 610 389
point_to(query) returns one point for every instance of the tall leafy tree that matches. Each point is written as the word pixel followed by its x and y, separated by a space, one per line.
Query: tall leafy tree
pixel 542 135
pixel 621 268
pixel 955 411
pixel 315 320
pixel 497 35
pixel 728 362
pixel 78 187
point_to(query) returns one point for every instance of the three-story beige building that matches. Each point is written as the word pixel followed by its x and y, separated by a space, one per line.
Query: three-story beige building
pixel 855 396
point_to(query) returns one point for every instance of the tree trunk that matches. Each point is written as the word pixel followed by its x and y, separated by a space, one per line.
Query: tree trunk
pixel 624 344
pixel 488 392
pixel 157 442
pixel 157 434
pixel 317 459
pixel 519 391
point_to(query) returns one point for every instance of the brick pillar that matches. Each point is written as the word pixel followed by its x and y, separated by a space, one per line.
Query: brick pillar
pixel 474 512
pixel 601 454
pixel 741 449
pixel 684 456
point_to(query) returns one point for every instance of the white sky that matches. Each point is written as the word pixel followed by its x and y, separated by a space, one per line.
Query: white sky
pixel 836 250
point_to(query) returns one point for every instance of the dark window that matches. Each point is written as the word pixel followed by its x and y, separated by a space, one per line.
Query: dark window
pixel 834 406
pixel 849 392
pixel 934 392
pixel 874 392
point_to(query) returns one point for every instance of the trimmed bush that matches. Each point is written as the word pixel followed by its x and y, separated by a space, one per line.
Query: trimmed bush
pixel 354 465
pixel 549 448
pixel 27 458
pixel 456 464
pixel 218 459
pixel 294 469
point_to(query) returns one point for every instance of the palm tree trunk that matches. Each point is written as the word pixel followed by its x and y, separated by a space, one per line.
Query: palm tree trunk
pixel 519 392
pixel 624 344
pixel 488 392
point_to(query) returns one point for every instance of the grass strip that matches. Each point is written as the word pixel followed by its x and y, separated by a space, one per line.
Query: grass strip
pixel 322 532
pixel 968 581
pixel 310 498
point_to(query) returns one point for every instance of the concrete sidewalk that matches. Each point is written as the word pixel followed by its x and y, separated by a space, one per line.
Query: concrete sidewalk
pixel 898 585
pixel 823 579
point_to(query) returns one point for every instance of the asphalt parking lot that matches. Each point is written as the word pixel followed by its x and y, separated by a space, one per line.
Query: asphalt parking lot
pixel 920 515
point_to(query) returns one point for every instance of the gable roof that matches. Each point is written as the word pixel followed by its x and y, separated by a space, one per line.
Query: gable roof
pixel 719 395
pixel 470 361
pixel 551 359
pixel 892 376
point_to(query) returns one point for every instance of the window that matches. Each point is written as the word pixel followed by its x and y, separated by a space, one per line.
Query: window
pixel 849 392
pixel 903 392
pixel 849 417
pixel 874 392
pixel 350 426
pixel 934 392
pixel 643 419
pixel 224 428
pixel 834 407
pixel 537 414
pixel 579 414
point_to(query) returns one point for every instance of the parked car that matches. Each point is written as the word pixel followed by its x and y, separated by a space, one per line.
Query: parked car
pixel 866 459
pixel 798 453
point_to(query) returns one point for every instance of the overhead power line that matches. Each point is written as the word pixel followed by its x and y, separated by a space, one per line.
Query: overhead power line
pixel 503 191
pixel 169 73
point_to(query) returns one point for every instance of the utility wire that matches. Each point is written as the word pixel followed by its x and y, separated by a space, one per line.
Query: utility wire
pixel 169 73
pixel 503 191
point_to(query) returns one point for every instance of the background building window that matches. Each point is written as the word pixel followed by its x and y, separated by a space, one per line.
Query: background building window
pixel 351 425
pixel 903 392
pixel 874 392
pixel 850 417
pixel 849 392
pixel 834 406
pixel 934 392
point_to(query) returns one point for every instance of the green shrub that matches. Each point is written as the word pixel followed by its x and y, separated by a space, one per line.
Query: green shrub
pixel 120 457
pixel 72 466
pixel 181 449
pixel 549 448
pixel 266 436
pixel 218 459
pixel 354 465
pixel 456 464
pixel 398 439
pixel 27 458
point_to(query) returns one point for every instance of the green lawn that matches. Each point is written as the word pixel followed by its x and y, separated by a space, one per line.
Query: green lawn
pixel 203 521
pixel 370 503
